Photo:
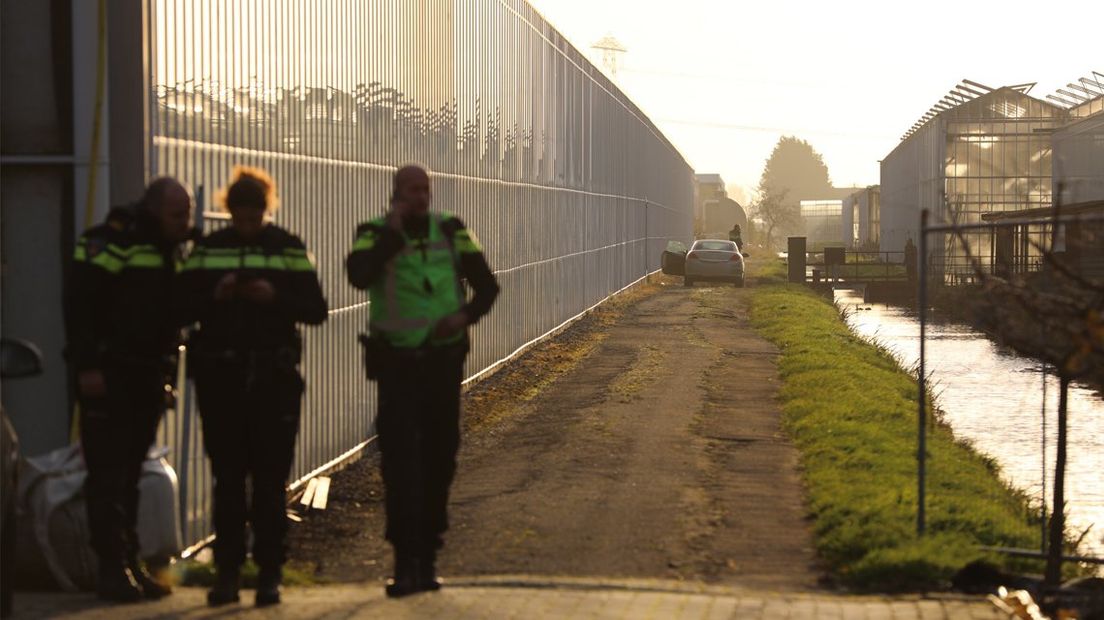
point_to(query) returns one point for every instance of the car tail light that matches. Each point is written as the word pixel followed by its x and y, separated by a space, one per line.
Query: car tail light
pixel 691 256
pixel 735 257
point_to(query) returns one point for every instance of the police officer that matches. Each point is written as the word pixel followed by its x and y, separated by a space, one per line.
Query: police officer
pixel 414 264
pixel 247 286
pixel 122 337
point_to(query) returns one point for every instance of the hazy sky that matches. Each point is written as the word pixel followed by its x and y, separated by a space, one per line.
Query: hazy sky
pixel 725 78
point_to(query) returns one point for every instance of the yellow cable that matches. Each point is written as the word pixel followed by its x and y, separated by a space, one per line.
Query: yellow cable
pixel 94 158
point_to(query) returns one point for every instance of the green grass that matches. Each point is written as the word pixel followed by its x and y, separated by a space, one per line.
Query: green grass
pixel 851 411
pixel 202 574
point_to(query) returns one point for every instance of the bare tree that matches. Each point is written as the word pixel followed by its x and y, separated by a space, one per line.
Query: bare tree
pixel 772 208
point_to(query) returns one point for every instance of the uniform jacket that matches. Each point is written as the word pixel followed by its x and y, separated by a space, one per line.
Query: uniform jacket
pixel 119 300
pixel 241 325
pixel 377 245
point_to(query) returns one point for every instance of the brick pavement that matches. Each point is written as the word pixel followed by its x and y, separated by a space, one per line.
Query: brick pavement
pixel 528 598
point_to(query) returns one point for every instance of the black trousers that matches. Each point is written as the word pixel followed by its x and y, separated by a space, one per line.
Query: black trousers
pixel 419 435
pixel 250 416
pixel 116 433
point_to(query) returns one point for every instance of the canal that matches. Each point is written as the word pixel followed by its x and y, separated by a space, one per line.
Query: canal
pixel 994 399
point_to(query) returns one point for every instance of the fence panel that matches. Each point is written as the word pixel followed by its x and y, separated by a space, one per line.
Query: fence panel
pixel 573 191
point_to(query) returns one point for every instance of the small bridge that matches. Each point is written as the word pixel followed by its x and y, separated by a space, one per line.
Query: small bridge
pixel 882 276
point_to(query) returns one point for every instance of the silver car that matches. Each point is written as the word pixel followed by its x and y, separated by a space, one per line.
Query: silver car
pixel 714 260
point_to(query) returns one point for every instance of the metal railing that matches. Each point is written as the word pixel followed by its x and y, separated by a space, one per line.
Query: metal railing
pixel 858 267
pixel 572 190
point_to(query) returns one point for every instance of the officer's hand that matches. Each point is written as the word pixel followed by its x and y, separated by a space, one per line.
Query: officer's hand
pixel 396 214
pixel 450 325
pixel 258 291
pixel 226 287
pixel 91 383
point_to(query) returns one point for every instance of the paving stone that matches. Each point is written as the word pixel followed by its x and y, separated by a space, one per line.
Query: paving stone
pixel 535 599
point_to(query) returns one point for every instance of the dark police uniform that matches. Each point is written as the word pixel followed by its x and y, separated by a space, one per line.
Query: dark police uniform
pixel 120 321
pixel 415 278
pixel 244 360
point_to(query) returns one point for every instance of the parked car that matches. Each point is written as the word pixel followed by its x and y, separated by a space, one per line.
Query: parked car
pixel 674 258
pixel 18 359
pixel 714 260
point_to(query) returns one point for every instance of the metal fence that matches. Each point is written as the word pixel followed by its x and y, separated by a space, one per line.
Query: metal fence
pixel 1039 274
pixel 573 190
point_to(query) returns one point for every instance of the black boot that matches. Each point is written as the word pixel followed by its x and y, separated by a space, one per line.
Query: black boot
pixel 268 586
pixel 227 584
pixel 151 588
pixel 116 584
pixel 427 573
pixel 405 582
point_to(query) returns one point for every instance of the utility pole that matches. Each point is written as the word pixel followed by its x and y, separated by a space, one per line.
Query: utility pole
pixel 611 50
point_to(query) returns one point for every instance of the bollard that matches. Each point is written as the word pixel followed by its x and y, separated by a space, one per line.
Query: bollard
pixel 795 249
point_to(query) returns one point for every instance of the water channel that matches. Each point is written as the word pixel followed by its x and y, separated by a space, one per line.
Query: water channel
pixel 994 398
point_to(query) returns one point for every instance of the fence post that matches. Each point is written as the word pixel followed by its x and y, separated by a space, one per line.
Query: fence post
pixel 1042 478
pixel 1058 513
pixel 921 450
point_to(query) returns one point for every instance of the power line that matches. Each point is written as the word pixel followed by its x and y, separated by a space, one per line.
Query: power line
pixel 783 130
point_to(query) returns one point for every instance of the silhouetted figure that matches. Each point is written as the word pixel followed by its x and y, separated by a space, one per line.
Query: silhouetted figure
pixel 734 236
pixel 247 286
pixel 413 264
pixel 910 260
pixel 122 344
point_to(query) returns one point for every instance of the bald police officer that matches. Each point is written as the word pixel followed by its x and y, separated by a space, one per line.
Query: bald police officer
pixel 417 267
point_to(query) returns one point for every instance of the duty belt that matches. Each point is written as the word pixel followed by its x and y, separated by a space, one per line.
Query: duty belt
pixel 252 360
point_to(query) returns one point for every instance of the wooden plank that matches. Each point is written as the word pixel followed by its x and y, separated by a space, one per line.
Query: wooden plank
pixel 321 493
pixel 308 495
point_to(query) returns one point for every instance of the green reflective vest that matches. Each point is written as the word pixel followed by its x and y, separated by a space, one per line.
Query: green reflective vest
pixel 420 286
pixel 114 258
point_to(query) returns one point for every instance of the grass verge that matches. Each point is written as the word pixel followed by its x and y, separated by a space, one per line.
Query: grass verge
pixel 851 411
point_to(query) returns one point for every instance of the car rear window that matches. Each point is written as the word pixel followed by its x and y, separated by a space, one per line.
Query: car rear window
pixel 724 246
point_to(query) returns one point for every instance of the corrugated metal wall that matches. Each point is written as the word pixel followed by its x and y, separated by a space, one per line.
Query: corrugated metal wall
pixel 572 190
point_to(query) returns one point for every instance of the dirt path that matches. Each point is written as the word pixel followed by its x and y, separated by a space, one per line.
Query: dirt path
pixel 657 454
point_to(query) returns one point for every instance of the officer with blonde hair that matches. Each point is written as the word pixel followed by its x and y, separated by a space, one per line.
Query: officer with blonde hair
pixel 248 286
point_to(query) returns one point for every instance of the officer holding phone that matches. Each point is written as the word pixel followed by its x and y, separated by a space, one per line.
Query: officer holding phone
pixel 416 267
pixel 247 286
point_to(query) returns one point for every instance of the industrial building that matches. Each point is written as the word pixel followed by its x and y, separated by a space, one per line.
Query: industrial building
pixel 981 151
pixel 714 211
pixel 823 220
pixel 861 219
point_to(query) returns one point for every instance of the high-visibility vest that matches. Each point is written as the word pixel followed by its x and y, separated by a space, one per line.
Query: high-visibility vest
pixel 420 286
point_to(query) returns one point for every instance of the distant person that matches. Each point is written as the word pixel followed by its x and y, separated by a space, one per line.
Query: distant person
pixel 247 286
pixel 122 346
pixel 414 265
pixel 734 236
pixel 910 260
